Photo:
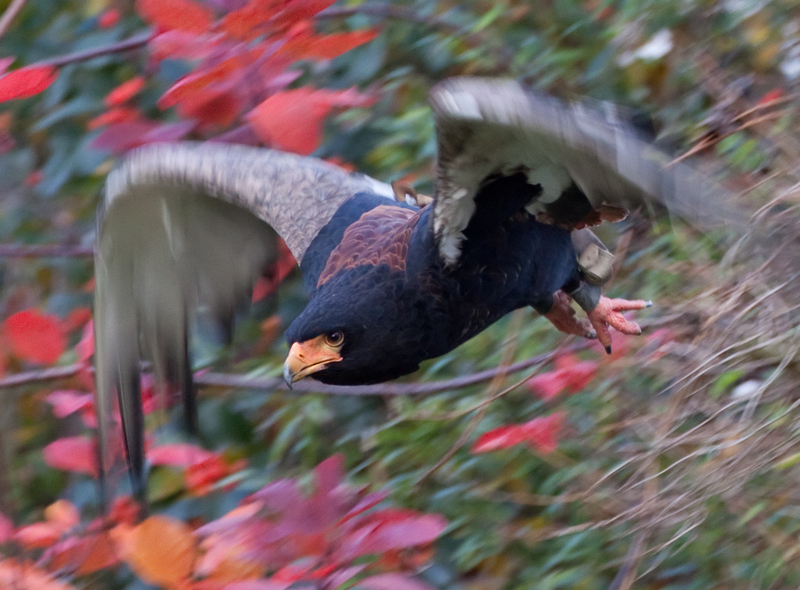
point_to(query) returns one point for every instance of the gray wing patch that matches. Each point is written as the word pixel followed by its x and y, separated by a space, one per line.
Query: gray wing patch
pixel 487 127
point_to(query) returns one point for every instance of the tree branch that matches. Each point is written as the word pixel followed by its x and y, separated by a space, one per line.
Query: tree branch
pixel 136 42
pixel 272 383
pixel 45 251
pixel 11 12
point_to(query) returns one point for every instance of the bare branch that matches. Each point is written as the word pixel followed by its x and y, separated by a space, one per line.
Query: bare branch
pixel 273 383
pixel 11 12
pixel 136 42
pixel 45 251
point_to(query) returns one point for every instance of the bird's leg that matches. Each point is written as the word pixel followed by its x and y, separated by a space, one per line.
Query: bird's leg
pixel 607 314
pixel 563 317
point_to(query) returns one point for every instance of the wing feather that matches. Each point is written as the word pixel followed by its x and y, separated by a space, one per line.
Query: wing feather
pixel 488 126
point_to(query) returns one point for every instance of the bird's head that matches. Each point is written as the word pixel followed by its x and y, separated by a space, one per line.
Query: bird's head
pixel 354 331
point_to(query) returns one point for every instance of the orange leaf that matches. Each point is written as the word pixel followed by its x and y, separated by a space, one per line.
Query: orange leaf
pixel 84 555
pixel 62 514
pixel 184 15
pixel 125 91
pixel 161 551
pixel 34 336
pixel 74 453
pixel 292 120
pixel 26 82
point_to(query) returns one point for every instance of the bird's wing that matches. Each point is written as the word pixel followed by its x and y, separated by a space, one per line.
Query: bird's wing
pixel 488 127
pixel 187 225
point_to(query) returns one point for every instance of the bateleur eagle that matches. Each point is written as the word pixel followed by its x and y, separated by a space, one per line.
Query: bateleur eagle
pixel 520 176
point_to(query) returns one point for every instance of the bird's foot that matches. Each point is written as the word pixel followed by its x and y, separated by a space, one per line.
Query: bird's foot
pixel 563 317
pixel 607 314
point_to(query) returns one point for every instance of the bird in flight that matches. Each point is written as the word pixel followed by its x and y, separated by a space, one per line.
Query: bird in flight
pixel 520 179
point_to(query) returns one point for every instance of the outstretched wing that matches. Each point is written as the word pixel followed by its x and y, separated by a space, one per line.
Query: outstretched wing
pixel 184 225
pixel 581 157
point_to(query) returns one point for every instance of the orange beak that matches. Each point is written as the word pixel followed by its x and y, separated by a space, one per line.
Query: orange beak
pixel 306 358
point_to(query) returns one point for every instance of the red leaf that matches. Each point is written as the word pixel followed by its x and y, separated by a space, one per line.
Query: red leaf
pixel 114 115
pixel 108 18
pixel 83 555
pixel 250 20
pixel 328 474
pixel 38 535
pixel 400 529
pixel 540 433
pixel 26 82
pixel 68 402
pixel 771 96
pixel 75 453
pixel 218 104
pixel 169 132
pixel 178 455
pixel 292 120
pixel 121 137
pixel 6 528
pixel 77 318
pixel 125 91
pixel 305 45
pixel 548 385
pixel 298 10
pixel 369 501
pixel 85 348
pixel 35 337
pixel 188 86
pixel 571 374
pixel 498 438
pixel 183 15
pixel 392 582
pixel 177 44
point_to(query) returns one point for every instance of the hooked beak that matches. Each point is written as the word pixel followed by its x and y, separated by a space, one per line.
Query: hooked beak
pixel 306 358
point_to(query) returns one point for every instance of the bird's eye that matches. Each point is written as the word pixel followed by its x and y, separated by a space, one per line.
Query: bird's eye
pixel 334 339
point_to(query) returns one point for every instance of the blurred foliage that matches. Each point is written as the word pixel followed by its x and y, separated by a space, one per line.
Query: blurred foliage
pixel 518 518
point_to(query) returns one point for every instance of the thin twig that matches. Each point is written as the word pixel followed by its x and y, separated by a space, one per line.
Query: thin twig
pixel 136 42
pixel 11 12
pixel 45 251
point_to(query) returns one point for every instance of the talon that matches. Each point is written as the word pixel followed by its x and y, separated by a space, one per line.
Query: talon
pixel 563 317
pixel 607 315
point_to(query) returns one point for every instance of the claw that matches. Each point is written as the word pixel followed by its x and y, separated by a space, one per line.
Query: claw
pixel 608 314
pixel 563 317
